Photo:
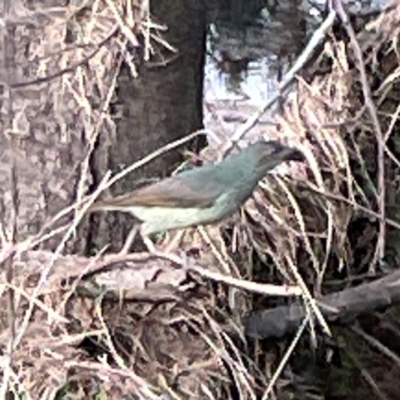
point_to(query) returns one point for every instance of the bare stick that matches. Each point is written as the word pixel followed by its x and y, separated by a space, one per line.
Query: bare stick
pixel 262 288
pixel 46 271
pixel 317 37
pixel 380 245
pixel 66 70
pixel 152 156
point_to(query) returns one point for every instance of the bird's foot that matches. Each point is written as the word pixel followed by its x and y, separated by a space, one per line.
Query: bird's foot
pixel 129 240
pixel 161 254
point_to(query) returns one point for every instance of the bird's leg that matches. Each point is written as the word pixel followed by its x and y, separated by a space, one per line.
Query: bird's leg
pixel 131 237
pixel 149 244
pixel 161 254
pixel 176 240
pixel 129 240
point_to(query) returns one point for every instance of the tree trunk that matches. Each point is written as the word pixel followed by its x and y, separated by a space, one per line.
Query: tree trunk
pixel 163 104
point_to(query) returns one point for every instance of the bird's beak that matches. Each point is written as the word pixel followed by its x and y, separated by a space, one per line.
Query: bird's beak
pixel 280 153
pixel 290 154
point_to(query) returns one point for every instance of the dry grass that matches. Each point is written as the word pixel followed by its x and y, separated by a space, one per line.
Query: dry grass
pixel 151 330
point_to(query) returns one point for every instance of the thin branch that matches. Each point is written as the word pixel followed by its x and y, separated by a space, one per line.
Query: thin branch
pixel 9 64
pixel 67 70
pixel 380 246
pixel 317 37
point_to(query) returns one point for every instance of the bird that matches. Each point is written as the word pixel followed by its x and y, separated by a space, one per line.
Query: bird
pixel 201 196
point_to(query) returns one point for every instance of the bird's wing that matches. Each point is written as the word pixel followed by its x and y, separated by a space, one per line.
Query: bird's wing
pixel 179 190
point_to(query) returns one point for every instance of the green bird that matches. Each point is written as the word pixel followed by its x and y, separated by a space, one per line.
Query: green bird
pixel 204 195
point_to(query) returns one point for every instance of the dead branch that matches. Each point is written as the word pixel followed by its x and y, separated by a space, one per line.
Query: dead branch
pixel 132 276
pixel 144 277
pixel 72 68
pixel 135 276
pixel 342 306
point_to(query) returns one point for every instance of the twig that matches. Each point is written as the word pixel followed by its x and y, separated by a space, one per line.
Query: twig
pixel 352 203
pixel 94 136
pixel 285 359
pixel 31 18
pixel 68 69
pixel 105 369
pixel 152 156
pixel 46 271
pixel 262 288
pixel 317 37
pixel 380 245
pixel 126 30
pixel 86 202
pixel 9 64
pixel 376 344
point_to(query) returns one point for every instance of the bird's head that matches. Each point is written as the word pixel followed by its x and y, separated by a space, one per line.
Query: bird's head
pixel 269 154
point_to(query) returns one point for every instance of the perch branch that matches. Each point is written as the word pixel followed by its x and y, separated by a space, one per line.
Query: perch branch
pixel 113 274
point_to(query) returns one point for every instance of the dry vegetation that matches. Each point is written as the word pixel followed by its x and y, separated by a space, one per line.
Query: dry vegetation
pixel 173 327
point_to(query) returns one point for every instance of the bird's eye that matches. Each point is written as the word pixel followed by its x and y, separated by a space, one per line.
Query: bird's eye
pixel 276 148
